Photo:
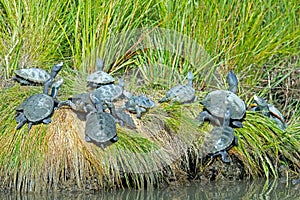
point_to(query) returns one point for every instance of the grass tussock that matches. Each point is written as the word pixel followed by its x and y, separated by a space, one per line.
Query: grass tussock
pixel 166 147
pixel 266 149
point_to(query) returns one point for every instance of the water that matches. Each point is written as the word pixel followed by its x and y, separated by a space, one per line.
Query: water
pixel 258 189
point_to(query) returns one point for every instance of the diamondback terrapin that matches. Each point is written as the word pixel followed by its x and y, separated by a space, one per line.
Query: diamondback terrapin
pixel 38 108
pixel 79 102
pixel 181 93
pixel 138 104
pixel 100 126
pixel 216 102
pixel 220 140
pixel 99 77
pixel 110 92
pixel 31 76
pixel 269 110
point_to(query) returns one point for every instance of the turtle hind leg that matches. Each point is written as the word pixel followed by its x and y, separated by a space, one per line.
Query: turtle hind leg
pixel 236 141
pixel 114 139
pixel 164 99
pixel 87 138
pixel 47 121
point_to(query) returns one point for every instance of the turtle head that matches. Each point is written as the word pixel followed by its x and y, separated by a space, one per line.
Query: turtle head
pixel 262 104
pixel 97 102
pixel 232 81
pixel 121 82
pixel 190 78
pixel 127 94
pixel 55 69
pixel 99 64
pixel 227 116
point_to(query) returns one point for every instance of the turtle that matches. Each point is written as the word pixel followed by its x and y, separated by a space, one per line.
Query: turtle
pixel 31 76
pixel 99 77
pixel 181 93
pixel 220 140
pixel 269 110
pixel 215 104
pixel 79 102
pixel 100 127
pixel 110 92
pixel 38 107
pixel 138 104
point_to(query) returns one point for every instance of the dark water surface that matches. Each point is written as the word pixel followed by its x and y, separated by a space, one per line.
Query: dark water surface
pixel 258 189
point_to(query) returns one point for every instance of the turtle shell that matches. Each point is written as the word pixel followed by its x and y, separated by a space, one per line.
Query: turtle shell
pixel 35 75
pixel 100 127
pixel 37 107
pixel 219 139
pixel 217 101
pixel 141 101
pixel 100 78
pixel 275 112
pixel 109 92
pixel 181 93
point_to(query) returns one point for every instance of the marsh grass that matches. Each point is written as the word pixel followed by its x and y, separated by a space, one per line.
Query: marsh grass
pixel 265 148
pixel 259 40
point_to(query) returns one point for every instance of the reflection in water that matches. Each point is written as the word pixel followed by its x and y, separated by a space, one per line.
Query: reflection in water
pixel 258 189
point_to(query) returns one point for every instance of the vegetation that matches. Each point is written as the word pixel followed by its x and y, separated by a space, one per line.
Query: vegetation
pixel 154 43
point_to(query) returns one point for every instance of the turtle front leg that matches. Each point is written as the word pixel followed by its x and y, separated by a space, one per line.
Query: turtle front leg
pixel 29 126
pixel 225 157
pixel 204 115
pixel 237 124
pixel 139 111
pixel 21 119
pixel 68 103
